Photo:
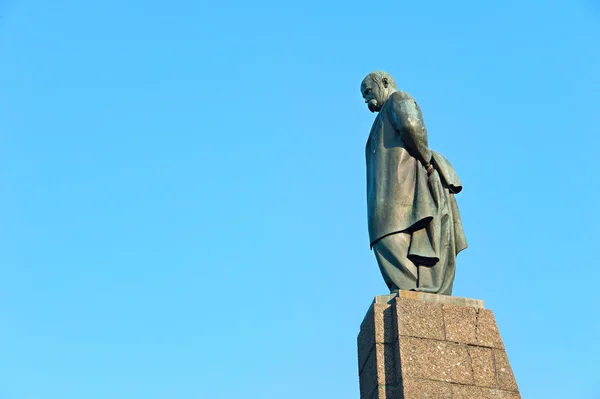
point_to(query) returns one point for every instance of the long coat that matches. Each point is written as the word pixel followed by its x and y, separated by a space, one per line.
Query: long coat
pixel 401 196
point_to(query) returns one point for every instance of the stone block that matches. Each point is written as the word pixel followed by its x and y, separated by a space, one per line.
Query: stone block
pixel 415 388
pixel 368 376
pixel 385 299
pixel 487 330
pixel 484 372
pixel 380 369
pixel 387 372
pixel 384 323
pixel 419 319
pixel 504 374
pixel 377 327
pixel 366 338
pixel 471 392
pixel 509 395
pixel 460 324
pixel 435 360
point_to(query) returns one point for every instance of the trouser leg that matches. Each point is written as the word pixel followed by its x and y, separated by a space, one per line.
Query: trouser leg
pixel 433 279
pixel 439 278
pixel 391 252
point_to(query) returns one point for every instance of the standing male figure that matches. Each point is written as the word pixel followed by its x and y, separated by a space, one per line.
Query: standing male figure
pixel 415 228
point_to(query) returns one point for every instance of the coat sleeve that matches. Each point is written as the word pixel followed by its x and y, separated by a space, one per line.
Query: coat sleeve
pixel 407 120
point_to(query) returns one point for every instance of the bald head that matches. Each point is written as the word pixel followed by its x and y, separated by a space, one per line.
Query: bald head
pixel 376 88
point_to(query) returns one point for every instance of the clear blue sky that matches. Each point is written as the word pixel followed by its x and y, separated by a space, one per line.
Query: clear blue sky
pixel 183 211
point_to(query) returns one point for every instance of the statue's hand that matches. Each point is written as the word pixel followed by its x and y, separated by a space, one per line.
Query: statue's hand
pixel 429 168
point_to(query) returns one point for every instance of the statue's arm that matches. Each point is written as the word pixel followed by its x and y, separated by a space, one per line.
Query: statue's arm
pixel 407 120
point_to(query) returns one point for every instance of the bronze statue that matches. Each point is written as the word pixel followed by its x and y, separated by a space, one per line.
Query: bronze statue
pixel 415 228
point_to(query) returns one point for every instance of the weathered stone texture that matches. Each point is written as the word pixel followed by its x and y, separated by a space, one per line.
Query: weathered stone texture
pixel 487 330
pixel 419 319
pixel 506 379
pixel 435 360
pixel 471 392
pixel 380 369
pixel 376 328
pixel 460 324
pixel 484 372
pixel 417 388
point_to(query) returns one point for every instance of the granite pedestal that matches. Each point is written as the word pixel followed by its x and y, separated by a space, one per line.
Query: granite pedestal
pixel 415 345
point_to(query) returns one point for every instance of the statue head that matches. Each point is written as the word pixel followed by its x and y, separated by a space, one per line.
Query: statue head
pixel 376 88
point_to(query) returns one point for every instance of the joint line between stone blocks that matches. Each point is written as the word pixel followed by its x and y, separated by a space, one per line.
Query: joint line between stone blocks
pixel 477 325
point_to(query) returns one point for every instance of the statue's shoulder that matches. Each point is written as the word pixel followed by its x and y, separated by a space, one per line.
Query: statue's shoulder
pixel 402 102
pixel 405 105
pixel 401 96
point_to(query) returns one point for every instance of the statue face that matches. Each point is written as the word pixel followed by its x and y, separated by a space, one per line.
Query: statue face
pixel 374 95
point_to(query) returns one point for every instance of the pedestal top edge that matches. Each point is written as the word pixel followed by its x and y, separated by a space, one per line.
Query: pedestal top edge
pixel 435 298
